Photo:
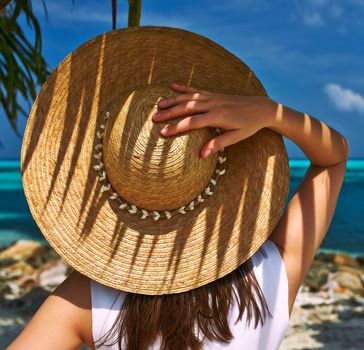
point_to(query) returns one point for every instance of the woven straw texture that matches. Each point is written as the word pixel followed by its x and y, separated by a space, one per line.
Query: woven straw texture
pixel 125 72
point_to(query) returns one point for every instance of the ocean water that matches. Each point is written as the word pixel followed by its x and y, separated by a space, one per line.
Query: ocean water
pixel 346 231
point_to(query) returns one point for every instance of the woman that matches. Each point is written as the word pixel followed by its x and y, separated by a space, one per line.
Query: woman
pixel 68 319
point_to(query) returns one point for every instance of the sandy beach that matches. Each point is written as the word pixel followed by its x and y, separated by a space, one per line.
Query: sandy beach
pixel 328 312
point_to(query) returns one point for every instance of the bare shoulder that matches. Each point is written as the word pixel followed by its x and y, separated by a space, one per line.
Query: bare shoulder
pixel 76 289
pixel 305 221
pixel 63 321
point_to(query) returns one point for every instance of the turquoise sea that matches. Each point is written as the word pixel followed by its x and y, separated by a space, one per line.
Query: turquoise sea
pixel 346 232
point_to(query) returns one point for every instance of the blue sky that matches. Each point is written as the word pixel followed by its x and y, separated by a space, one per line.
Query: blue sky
pixel 309 54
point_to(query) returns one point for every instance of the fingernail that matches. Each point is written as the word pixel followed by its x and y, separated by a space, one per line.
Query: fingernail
pixel 164 130
pixel 155 116
pixel 207 153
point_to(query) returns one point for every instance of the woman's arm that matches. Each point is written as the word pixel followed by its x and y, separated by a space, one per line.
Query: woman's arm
pixel 322 145
pixel 63 321
pixel 307 217
pixel 305 222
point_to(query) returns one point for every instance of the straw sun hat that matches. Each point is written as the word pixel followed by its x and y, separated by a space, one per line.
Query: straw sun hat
pixel 127 207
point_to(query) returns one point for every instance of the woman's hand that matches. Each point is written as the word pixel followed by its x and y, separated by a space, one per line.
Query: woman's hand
pixel 237 116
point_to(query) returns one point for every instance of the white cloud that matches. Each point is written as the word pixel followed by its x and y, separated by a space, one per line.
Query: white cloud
pixel 345 99
pixel 318 3
pixel 249 6
pixel 336 11
pixel 319 13
pixel 313 18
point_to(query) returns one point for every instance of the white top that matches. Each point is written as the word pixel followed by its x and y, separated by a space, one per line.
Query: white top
pixel 271 275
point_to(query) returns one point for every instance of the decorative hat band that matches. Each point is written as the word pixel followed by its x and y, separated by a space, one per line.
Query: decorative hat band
pixel 156 215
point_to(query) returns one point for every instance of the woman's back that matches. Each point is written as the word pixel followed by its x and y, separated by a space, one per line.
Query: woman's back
pixel 271 275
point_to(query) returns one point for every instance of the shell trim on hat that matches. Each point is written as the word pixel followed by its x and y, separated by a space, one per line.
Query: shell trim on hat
pixel 156 215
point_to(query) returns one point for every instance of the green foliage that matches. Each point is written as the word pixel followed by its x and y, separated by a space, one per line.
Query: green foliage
pixel 22 66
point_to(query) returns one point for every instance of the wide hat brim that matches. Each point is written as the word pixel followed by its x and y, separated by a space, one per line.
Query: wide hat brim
pixel 114 247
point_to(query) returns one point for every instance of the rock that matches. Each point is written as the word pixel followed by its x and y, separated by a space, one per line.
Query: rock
pixel 317 275
pixel 52 274
pixel 349 280
pixel 345 314
pixel 4 289
pixel 46 255
pixel 336 324
pixel 26 304
pixel 27 282
pixel 342 259
pixel 360 260
pixel 20 250
pixel 16 270
pixel 15 290
pixel 331 284
pixel 353 270
pixel 6 261
pixel 342 290
pixel 325 257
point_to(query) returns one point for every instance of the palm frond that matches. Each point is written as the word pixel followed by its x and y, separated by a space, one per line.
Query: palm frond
pixel 22 66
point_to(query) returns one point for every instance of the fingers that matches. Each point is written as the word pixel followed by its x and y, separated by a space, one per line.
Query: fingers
pixel 173 100
pixel 181 109
pixel 189 123
pixel 187 89
pixel 228 138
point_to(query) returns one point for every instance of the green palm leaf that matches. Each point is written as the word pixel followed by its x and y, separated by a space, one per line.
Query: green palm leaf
pixel 22 66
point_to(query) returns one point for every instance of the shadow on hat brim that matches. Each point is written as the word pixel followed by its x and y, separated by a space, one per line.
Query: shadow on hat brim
pixel 83 225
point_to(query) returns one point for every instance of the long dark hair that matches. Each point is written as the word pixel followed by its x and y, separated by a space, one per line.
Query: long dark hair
pixel 142 318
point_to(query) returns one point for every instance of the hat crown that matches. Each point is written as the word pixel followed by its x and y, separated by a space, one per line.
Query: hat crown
pixel 146 169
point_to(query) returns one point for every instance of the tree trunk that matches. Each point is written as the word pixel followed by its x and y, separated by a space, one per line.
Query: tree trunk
pixel 134 13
